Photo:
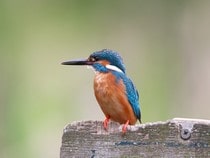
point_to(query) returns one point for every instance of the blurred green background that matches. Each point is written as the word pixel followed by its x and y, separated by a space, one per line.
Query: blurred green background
pixel 165 45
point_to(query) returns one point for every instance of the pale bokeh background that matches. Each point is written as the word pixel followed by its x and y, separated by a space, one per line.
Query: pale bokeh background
pixel 165 46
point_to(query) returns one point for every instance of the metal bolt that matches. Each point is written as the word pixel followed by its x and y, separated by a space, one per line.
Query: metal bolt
pixel 185 134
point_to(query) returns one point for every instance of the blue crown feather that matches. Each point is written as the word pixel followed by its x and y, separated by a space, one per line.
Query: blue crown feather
pixel 112 56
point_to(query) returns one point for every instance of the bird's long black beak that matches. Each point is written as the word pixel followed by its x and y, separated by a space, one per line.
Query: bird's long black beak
pixel 77 62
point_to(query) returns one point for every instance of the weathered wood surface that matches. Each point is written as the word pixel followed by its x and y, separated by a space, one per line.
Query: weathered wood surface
pixel 174 138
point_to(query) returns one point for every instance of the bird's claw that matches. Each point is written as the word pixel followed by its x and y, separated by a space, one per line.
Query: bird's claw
pixel 105 123
pixel 124 128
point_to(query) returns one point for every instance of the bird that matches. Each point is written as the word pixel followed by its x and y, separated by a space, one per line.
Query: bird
pixel 115 92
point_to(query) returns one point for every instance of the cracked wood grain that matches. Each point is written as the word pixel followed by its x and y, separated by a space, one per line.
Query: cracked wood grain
pixel 179 137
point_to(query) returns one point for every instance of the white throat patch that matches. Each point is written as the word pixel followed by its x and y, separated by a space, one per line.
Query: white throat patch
pixel 114 68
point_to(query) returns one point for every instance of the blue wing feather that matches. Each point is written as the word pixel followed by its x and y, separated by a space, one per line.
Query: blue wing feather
pixel 133 97
pixel 131 92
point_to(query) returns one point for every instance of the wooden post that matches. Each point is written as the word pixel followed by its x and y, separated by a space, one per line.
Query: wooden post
pixel 178 137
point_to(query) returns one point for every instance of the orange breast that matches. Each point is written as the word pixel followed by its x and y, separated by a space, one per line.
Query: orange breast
pixel 111 96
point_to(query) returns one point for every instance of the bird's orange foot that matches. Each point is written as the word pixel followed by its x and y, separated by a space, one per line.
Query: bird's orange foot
pixel 105 123
pixel 124 128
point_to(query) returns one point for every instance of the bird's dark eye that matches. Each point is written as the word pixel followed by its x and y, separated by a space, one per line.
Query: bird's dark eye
pixel 92 59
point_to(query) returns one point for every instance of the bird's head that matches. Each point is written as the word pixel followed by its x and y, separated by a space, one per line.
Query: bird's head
pixel 102 61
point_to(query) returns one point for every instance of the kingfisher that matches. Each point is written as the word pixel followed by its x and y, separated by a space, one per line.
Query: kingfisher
pixel 114 91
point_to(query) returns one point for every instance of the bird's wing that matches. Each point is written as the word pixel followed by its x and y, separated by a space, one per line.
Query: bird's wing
pixel 131 92
pixel 133 97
